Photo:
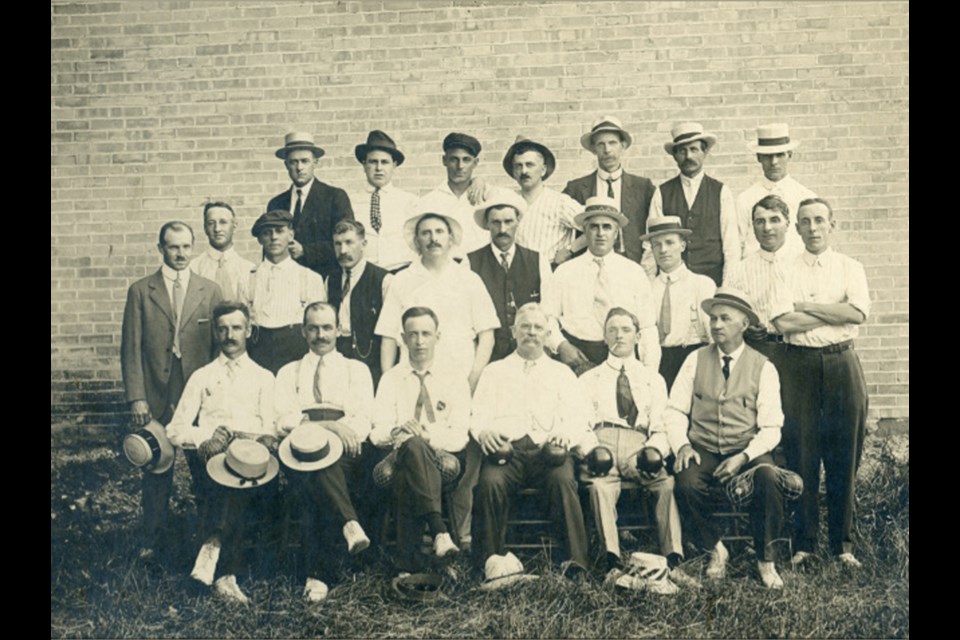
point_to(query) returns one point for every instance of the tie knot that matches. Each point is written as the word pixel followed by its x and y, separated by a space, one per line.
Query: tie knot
pixel 726 360
pixel 346 270
pixel 599 262
pixel 299 192
pixel 623 369
pixel 421 375
pixel 177 279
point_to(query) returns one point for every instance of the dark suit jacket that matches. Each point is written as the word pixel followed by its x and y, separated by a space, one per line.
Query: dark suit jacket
pixel 146 344
pixel 634 202
pixel 366 301
pixel 324 207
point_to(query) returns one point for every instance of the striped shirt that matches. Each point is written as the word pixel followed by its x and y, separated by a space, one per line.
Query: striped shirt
pixel 278 293
pixel 762 276
pixel 548 224
pixel 792 192
pixel 689 323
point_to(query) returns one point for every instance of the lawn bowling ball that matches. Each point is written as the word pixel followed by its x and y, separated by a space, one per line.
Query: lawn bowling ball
pixel 502 455
pixel 553 454
pixel 649 460
pixel 599 461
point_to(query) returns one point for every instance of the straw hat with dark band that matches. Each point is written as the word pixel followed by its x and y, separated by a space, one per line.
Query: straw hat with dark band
pixel 732 298
pixel 247 464
pixel 296 140
pixel 149 449
pixel 310 447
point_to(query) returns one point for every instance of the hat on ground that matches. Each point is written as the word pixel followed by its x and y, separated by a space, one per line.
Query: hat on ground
pixel 499 198
pixel 417 587
pixel 503 571
pixel 378 141
pixel 687 132
pixel 245 465
pixel 310 447
pixel 298 140
pixel 148 448
pixel 522 145
pixel 740 488
pixel 664 224
pixel 773 138
pixel 649 566
pixel 600 206
pixel 732 298
pixel 274 218
pixel 462 141
pixel 606 123
pixel 431 205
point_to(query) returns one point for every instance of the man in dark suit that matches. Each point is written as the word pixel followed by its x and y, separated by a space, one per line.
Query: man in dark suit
pixel 357 288
pixel 315 206
pixel 607 139
pixel 166 337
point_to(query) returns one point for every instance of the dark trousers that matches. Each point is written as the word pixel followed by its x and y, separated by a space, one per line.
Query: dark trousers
pixel 499 482
pixel 236 514
pixel 696 504
pixel 371 358
pixel 671 359
pixel 825 409
pixel 776 353
pixel 596 352
pixel 273 348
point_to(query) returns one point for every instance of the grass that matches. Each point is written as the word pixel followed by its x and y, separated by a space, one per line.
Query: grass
pixel 99 589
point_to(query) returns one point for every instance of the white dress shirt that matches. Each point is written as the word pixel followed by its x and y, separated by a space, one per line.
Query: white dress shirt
pixel 602 184
pixel 241 401
pixel 443 200
pixel 827 278
pixel 396 403
pixel 236 267
pixel 762 275
pixel 769 411
pixel 278 293
pixel 792 192
pixel 387 247
pixel 344 384
pixel 689 323
pixel 343 316
pixel 304 192
pixel 169 277
pixel 548 224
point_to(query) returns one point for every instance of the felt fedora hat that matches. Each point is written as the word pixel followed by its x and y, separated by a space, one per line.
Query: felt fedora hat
pixel 773 138
pixel 664 224
pixel 606 123
pixel 431 205
pixel 732 298
pixel 499 198
pixel 310 447
pixel 417 587
pixel 600 206
pixel 687 132
pixel 246 464
pixel 523 144
pixel 298 140
pixel 378 141
pixel 148 448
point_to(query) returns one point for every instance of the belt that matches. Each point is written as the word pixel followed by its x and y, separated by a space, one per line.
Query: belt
pixel 830 348
pixel 283 328
pixel 686 346
pixel 774 337
pixel 611 425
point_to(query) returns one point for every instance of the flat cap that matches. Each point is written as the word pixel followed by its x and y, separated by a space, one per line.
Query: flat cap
pixel 274 218
pixel 462 141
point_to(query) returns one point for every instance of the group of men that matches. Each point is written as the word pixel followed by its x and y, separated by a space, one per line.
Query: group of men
pixel 439 353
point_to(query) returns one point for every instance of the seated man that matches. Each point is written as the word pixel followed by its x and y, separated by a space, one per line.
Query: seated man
pixel 724 417
pixel 421 415
pixel 233 397
pixel 524 404
pixel 336 393
pixel 628 401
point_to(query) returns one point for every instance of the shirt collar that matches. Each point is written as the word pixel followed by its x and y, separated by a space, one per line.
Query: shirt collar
pixel 616 175
pixel 694 181
pixel 387 188
pixel 171 274
pixel 521 362
pixel 445 187
pixel 512 251
pixel 357 269
pixel 616 362
pixel 770 185
pixel 331 358
pixel 240 362
pixel 675 276
pixel 286 264
pixel 214 253
pixel 811 259
pixel 411 372
pixel 733 356
pixel 305 188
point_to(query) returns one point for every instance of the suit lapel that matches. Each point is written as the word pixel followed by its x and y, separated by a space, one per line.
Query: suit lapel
pixel 191 302
pixel 158 294
pixel 592 185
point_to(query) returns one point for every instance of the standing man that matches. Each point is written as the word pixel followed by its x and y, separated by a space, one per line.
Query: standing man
pixel 357 289
pixel 513 275
pixel 724 417
pixel 774 150
pixel 678 293
pixel 166 336
pixel 593 283
pixel 705 205
pixel 548 225
pixel 381 206
pixel 277 292
pixel 221 262
pixel 826 395
pixel 314 206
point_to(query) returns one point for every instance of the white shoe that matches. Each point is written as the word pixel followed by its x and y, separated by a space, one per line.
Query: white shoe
pixel 226 586
pixel 799 558
pixel 206 565
pixel 316 590
pixel 357 540
pixel 717 568
pixel 849 560
pixel 443 545
pixel 768 573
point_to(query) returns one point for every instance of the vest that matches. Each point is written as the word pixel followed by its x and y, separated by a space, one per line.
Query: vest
pixel 523 279
pixel 704 252
pixel 366 300
pixel 723 418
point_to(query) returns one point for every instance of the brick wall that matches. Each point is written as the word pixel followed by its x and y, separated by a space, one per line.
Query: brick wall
pixel 158 107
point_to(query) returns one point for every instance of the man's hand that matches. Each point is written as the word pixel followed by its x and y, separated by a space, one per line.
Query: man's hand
pixel 490 440
pixel 571 356
pixel 730 467
pixel 562 255
pixel 296 249
pixel 563 441
pixel 686 457
pixel 756 332
pixel 478 191
pixel 140 412
pixel 351 443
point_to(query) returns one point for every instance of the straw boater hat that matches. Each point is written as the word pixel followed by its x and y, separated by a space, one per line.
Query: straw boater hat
pixel 687 132
pixel 499 198
pixel 522 145
pixel 149 449
pixel 664 224
pixel 310 447
pixel 732 298
pixel 378 141
pixel 606 123
pixel 503 571
pixel 430 205
pixel 246 464
pixel 600 206
pixel 773 138
pixel 298 140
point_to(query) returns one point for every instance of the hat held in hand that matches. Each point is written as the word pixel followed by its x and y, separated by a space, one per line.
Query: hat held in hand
pixel 149 449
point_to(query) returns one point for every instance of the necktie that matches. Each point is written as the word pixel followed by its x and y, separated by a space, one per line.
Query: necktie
pixel 610 188
pixel 626 407
pixel 423 400
pixel 601 293
pixel 503 261
pixel 231 369
pixel 665 318
pixel 297 207
pixel 317 394
pixel 726 367
pixel 177 310
pixel 222 278
pixel 375 220
pixel 344 311
pixel 346 283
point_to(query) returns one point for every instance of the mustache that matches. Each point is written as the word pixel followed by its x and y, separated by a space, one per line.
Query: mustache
pixel 434 245
pixel 343 257
pixel 503 235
